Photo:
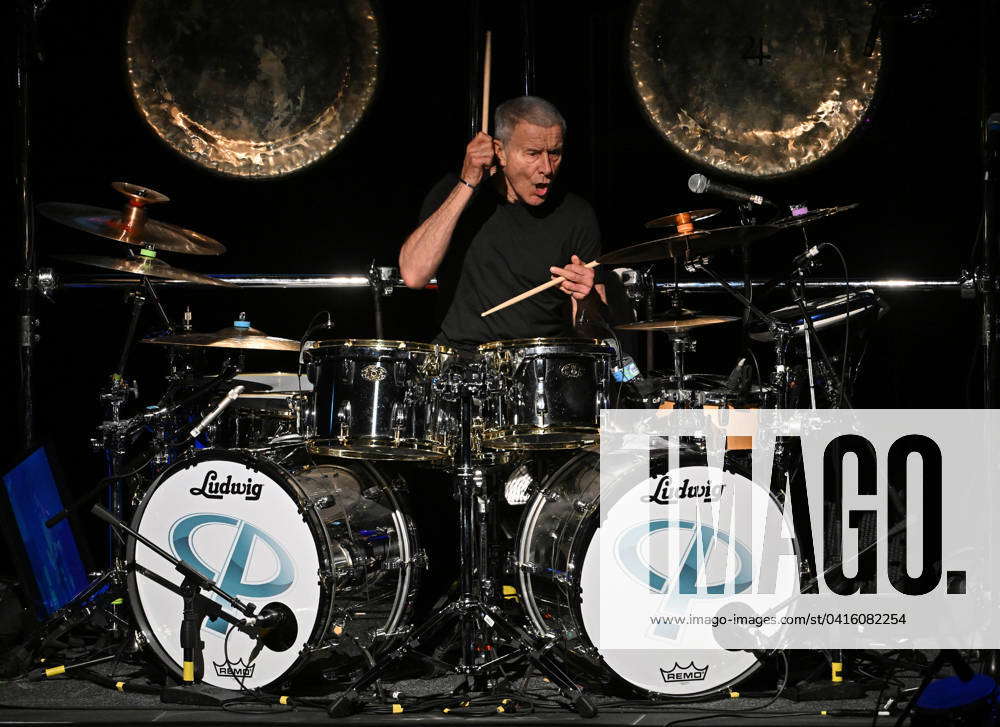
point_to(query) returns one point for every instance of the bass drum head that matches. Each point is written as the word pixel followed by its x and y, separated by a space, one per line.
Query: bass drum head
pixel 239 521
pixel 558 557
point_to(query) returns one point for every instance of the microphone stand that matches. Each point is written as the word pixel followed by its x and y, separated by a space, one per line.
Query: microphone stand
pixel 197 607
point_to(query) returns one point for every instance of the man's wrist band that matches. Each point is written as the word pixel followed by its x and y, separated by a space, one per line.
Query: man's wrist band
pixel 470 186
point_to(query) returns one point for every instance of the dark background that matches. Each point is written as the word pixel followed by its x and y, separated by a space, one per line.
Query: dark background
pixel 915 168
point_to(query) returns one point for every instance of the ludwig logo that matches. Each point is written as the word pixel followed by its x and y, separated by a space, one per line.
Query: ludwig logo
pixel 238 669
pixel 666 493
pixel 232 572
pixel 689 673
pixel 215 489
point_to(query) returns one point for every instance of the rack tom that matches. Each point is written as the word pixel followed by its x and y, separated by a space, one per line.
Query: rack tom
pixel 375 399
pixel 544 393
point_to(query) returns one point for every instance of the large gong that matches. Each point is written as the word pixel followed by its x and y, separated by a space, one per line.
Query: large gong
pixel 252 88
pixel 757 89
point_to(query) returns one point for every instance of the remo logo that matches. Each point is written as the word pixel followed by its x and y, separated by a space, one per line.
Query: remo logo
pixel 249 565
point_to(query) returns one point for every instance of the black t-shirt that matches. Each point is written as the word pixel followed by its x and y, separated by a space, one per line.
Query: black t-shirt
pixel 500 249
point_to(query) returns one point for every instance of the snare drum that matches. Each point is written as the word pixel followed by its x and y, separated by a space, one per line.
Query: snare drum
pixel 544 393
pixel 375 399
pixel 264 420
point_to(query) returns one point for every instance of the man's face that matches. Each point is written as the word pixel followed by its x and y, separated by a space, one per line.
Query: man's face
pixel 530 160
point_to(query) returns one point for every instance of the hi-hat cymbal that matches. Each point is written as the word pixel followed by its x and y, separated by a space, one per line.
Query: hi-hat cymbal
pixel 238 337
pixel 811 216
pixel 699 242
pixel 134 229
pixel 676 320
pixel 142 265
pixel 678 219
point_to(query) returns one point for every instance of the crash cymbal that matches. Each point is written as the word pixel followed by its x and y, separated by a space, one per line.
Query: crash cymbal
pixel 134 229
pixel 144 265
pixel 679 219
pixel 699 242
pixel 676 320
pixel 804 218
pixel 238 336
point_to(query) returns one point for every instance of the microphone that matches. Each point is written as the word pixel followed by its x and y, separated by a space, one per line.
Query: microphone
pixel 276 627
pixel 211 416
pixel 807 255
pixel 700 184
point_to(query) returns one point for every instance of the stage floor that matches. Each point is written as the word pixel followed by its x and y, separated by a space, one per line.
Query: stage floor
pixel 62 700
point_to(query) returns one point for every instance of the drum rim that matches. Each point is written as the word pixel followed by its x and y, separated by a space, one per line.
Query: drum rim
pixel 536 342
pixel 428 451
pixel 324 610
pixel 381 344
pixel 489 437
pixel 575 557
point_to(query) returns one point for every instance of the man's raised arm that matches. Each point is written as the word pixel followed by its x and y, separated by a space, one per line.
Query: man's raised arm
pixel 426 246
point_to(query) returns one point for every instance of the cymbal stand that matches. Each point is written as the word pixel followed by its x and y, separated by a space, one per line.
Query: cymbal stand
pixel 780 331
pixel 115 435
pixel 480 621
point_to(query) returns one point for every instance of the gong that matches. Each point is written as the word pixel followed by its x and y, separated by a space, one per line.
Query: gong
pixel 252 88
pixel 756 89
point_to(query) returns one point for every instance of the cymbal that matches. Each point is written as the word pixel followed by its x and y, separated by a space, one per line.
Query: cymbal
pixel 142 265
pixel 811 216
pixel 676 320
pixel 678 218
pixel 139 231
pixel 238 337
pixel 699 242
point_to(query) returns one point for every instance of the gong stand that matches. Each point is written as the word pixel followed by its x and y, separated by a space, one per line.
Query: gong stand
pixel 27 283
pixel 480 621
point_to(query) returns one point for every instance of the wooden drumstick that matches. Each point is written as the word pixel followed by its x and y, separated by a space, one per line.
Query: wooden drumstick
pixel 534 291
pixel 486 84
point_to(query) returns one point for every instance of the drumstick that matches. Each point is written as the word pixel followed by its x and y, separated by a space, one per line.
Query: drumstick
pixel 486 85
pixel 534 291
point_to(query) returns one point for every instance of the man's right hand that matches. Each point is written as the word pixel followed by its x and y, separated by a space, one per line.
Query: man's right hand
pixel 478 158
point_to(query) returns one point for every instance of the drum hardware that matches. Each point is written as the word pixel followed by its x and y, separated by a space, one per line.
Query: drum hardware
pixel 478 617
pixel 382 282
pixel 690 244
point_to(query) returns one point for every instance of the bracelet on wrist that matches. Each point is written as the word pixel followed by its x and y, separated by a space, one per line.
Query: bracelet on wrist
pixel 470 186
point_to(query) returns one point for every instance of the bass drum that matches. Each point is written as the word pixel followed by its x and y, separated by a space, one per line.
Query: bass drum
pixel 332 542
pixel 557 556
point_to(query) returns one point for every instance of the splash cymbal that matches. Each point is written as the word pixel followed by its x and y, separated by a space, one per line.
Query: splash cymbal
pixel 699 242
pixel 149 266
pixel 676 320
pixel 678 219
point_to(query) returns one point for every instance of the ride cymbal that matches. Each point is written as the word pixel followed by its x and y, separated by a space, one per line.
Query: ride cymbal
pixel 149 266
pixel 238 336
pixel 699 242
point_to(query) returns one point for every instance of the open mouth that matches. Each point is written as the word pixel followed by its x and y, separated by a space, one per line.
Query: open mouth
pixel 542 189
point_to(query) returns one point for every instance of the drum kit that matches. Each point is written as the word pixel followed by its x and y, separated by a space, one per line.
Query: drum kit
pixel 289 490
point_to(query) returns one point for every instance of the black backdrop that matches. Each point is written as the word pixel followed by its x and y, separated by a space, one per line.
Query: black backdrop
pixel 915 169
